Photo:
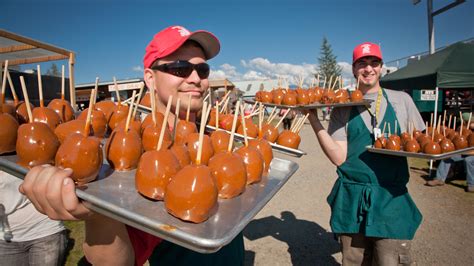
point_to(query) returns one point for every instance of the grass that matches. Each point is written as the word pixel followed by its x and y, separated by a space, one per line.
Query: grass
pixel 75 239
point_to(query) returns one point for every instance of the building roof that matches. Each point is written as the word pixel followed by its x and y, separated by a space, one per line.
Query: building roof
pixel 20 50
pixel 250 87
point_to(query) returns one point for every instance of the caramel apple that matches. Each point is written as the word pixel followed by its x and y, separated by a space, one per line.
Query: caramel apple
pixel 411 145
pixel 328 96
pixel 229 171
pixel 135 124
pixel 36 144
pixel 289 139
pixel 192 194
pixel 380 143
pixel 106 107
pixel 277 96
pixel 266 97
pixel 118 114
pixel 404 137
pixel 183 130
pixel 265 149
pixel 341 96
pixel 212 118
pixel 8 133
pixel 416 134
pixel 431 147
pixel 151 135
pixel 423 139
pixel 460 142
pixel 66 129
pixel 438 137
pixel 269 133
pixel 225 121
pixel 447 145
pixel 220 141
pixel 290 98
pixel 318 94
pixel 83 155
pixel 47 116
pixel 146 100
pixel 252 129
pixel 63 108
pixel 357 96
pixel 470 140
pixel 154 172
pixel 302 97
pixel 180 151
pixel 392 144
pixel 21 112
pixel 192 142
pixel 123 150
pixel 98 121
pixel 254 163
pixel 149 120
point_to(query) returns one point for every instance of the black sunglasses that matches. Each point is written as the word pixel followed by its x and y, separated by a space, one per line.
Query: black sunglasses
pixel 183 69
pixel 363 64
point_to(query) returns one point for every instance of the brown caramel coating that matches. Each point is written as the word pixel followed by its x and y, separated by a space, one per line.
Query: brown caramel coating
pixel 229 171
pixel 225 122
pixel 266 97
pixel 252 129
pixel 183 129
pixel 357 96
pixel 220 141
pixel 438 137
pixel 447 145
pixel 83 155
pixel 265 149
pixel 416 134
pixel 151 135
pixel 289 139
pixel 466 132
pixel 411 145
pixel 106 107
pixel 134 124
pixel 302 97
pixel 328 96
pixel 311 95
pixel 290 98
pixel 254 163
pixel 269 133
pixel 380 143
pixel 460 142
pixel 470 140
pixel 192 142
pixel 404 137
pixel 318 94
pixel 22 112
pixel 65 129
pixel 160 117
pixel 36 144
pixel 123 150
pixel 192 194
pixel 423 139
pixel 212 118
pixel 392 144
pixel 432 147
pixel 119 113
pixel 277 96
pixel 154 172
pixel 98 122
pixel 8 133
pixel 63 108
pixel 452 134
pixel 47 116
pixel 396 138
pixel 9 109
pixel 146 100
pixel 181 153
pixel 341 96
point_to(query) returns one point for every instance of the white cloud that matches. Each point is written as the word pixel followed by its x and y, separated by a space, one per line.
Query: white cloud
pixel 137 69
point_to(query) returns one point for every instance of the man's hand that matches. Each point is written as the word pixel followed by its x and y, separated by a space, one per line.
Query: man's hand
pixel 52 192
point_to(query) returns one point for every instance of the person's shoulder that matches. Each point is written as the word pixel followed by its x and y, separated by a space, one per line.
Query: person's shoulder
pixel 398 96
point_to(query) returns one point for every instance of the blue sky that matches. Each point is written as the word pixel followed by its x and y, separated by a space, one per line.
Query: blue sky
pixel 259 39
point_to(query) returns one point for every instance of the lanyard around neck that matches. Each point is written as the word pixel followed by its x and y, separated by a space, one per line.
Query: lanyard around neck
pixel 377 109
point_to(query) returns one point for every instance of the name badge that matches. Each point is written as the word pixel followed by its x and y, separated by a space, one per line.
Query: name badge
pixel 377 133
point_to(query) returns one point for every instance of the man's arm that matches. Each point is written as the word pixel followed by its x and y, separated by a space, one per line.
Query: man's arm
pixel 336 151
pixel 52 192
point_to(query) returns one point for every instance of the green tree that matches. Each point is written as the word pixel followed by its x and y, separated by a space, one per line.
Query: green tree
pixel 327 62
pixel 53 71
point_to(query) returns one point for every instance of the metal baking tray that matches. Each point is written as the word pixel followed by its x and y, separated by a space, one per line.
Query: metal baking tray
pixel 419 154
pixel 113 194
pixel 251 100
pixel 275 146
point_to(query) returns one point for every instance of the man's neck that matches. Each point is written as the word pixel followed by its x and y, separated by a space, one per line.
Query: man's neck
pixel 368 89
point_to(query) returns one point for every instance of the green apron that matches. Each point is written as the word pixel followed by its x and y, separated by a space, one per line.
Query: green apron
pixel 370 195
pixel 167 253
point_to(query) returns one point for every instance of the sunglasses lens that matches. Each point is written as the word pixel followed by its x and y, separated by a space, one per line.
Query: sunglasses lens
pixel 183 69
pixel 202 70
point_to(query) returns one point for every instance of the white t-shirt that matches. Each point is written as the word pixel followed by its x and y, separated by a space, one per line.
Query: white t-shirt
pixel 26 223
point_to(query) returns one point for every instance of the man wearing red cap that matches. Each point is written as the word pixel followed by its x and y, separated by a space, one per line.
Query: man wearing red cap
pixel 175 64
pixel 372 212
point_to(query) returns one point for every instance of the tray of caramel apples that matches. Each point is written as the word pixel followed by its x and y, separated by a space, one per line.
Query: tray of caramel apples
pixel 437 143
pixel 176 184
pixel 286 141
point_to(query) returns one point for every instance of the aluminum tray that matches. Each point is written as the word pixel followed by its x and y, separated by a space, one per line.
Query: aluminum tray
pixel 114 195
pixel 420 155
pixel 277 147
pixel 251 100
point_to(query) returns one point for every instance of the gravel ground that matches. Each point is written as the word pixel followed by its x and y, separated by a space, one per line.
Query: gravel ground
pixel 294 226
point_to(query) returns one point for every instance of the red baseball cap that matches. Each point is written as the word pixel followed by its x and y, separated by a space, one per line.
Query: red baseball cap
pixel 170 39
pixel 366 49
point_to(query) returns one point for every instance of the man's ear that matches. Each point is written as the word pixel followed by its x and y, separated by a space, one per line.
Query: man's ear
pixel 149 78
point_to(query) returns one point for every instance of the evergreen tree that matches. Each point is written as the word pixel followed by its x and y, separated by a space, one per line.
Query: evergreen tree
pixel 327 62
pixel 53 71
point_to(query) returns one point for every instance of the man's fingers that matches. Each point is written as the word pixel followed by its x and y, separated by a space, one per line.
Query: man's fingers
pixel 71 202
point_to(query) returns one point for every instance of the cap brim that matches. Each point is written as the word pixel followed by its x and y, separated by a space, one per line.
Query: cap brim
pixel 208 41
